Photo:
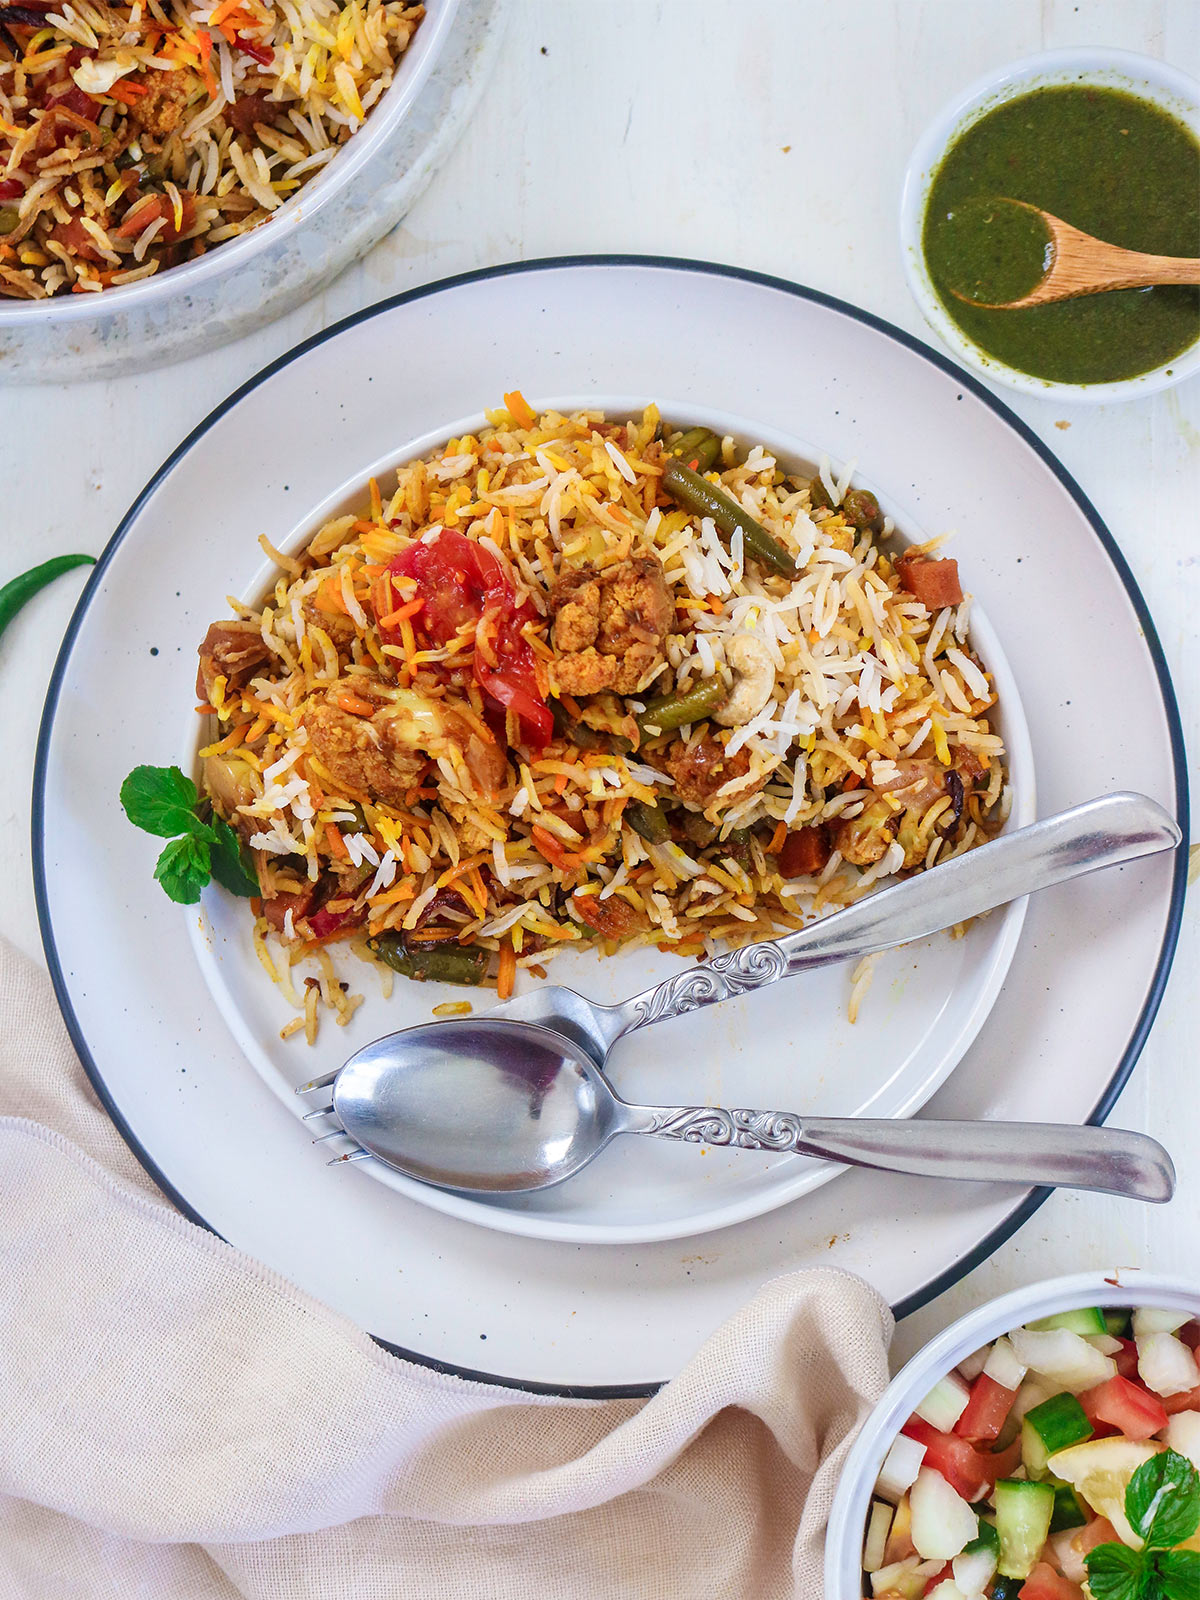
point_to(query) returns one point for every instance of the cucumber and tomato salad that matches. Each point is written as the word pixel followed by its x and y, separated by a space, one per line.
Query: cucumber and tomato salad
pixel 1036 1468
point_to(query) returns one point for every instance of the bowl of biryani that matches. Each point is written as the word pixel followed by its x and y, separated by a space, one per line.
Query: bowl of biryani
pixel 171 175
pixel 575 682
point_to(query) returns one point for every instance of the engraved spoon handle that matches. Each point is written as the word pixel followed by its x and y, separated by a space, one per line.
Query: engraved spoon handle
pixel 1100 833
pixel 1110 1160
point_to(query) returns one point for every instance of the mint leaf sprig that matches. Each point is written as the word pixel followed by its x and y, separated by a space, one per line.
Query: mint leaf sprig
pixel 1162 1503
pixel 162 801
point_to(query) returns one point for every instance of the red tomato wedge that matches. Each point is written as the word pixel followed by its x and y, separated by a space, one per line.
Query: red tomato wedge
pixel 1189 1400
pixel 969 1472
pixel 1127 1406
pixel 1043 1583
pixel 462 583
pixel 1127 1359
pixel 986 1410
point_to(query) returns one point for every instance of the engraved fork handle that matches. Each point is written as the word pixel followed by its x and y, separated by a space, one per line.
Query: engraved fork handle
pixel 1100 833
pixel 1110 1160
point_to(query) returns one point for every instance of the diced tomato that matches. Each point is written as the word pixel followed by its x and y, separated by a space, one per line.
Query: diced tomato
pixel 1127 1359
pixel 969 1472
pixel 939 1577
pixel 1190 1334
pixel 1127 1406
pixel 1043 1583
pixel 1189 1400
pixel 1099 1531
pixel 75 238
pixel 75 100
pixel 152 206
pixel 986 1410
pixel 11 188
pixel 805 851
pixel 276 909
pixel 325 923
pixel 463 583
pixel 934 583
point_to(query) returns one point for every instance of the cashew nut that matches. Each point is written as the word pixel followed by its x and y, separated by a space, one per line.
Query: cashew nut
pixel 753 680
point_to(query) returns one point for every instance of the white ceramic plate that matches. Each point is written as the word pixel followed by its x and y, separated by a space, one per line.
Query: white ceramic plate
pixel 943 454
pixel 789 1046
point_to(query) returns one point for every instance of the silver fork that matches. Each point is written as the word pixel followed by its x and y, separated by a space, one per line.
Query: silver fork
pixel 1100 833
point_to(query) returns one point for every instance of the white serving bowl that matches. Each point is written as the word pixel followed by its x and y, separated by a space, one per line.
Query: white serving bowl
pixel 1143 76
pixel 348 207
pixel 1123 1286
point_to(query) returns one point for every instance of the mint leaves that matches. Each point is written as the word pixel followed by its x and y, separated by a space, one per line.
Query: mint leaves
pixel 1162 1503
pixel 162 801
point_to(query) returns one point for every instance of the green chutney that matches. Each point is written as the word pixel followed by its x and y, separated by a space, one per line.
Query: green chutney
pixel 1106 162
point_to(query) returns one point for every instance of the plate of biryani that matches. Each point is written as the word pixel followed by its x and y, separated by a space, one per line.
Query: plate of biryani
pixel 587 656
pixel 574 684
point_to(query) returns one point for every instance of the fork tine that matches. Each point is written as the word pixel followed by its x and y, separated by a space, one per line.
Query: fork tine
pixel 321 1111
pixel 350 1155
pixel 318 1083
pixel 334 1133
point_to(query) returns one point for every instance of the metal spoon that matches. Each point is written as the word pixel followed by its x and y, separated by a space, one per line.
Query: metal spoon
pixel 1082 264
pixel 1100 833
pixel 462 1105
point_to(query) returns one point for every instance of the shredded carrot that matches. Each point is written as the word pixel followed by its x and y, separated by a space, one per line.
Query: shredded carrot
pixel 408 639
pixel 127 93
pixel 552 849
pixel 508 970
pixel 519 409
pixel 225 9
pixel 206 710
pixel 453 874
pixel 393 897
pixel 432 935
pixel 330 597
pixel 230 740
pixel 376 502
pixel 716 605
pixel 560 783
pixel 402 613
pixel 336 843
pixel 777 838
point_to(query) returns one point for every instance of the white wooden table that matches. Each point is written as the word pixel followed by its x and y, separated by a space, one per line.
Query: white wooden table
pixel 766 135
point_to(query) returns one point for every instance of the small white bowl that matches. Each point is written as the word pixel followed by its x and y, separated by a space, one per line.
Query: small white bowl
pixel 1125 1286
pixel 1142 76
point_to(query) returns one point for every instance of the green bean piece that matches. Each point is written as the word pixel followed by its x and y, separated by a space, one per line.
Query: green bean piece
pixel 698 448
pixel 20 590
pixel 704 499
pixel 671 711
pixel 576 733
pixel 818 495
pixel 432 963
pixel 861 510
pixel 648 821
pixel 738 846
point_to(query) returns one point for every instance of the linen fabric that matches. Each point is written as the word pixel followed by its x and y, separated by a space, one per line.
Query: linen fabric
pixel 180 1423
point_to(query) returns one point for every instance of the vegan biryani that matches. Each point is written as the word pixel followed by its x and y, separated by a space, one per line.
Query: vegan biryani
pixel 572 682
pixel 135 136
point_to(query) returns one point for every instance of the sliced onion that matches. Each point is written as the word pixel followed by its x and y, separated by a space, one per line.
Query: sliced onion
pixel 1063 1356
pixel 945 1403
pixel 1002 1366
pixel 900 1467
pixel 973 1573
pixel 878 1526
pixel 1166 1365
pixel 942 1521
pixel 1183 1435
pixel 974 1364
pixel 1153 1319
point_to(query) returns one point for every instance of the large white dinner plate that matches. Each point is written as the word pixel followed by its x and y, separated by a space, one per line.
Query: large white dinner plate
pixel 1059 1040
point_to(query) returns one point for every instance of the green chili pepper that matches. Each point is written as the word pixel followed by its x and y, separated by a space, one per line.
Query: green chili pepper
pixel 671 711
pixel 698 448
pixel 648 821
pixel 704 499
pixel 432 963
pixel 14 595
pixel 818 495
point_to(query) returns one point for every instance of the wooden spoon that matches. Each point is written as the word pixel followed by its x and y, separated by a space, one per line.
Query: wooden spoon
pixel 1081 264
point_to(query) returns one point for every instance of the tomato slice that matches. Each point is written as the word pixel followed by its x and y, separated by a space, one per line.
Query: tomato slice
pixel 1127 1359
pixel 1189 1400
pixel 1127 1406
pixel 462 583
pixel 969 1472
pixel 986 1411
pixel 1043 1583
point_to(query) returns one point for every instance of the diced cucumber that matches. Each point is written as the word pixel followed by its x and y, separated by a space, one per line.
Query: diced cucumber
pixel 986 1539
pixel 1007 1588
pixel 1068 1513
pixel 1033 1453
pixel 1023 1512
pixel 1117 1323
pixel 1087 1319
pixel 1058 1422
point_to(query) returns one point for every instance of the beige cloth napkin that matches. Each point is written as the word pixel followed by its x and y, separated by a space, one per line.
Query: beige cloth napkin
pixel 179 1423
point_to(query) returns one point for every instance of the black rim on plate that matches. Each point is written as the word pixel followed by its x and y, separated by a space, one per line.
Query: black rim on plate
pixel 1024 1209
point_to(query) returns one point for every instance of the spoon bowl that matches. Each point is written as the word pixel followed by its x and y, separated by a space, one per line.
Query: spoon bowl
pixel 498 1107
